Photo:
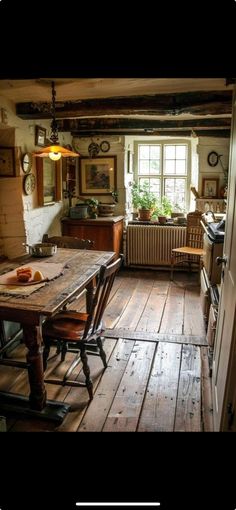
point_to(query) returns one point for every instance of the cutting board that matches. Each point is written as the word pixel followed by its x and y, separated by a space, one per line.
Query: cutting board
pixel 49 270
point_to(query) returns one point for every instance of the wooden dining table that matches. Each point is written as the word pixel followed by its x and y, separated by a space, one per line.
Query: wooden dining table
pixel 80 267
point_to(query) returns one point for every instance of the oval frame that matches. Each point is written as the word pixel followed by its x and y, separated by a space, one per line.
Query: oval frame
pixel 26 162
pixel 213 158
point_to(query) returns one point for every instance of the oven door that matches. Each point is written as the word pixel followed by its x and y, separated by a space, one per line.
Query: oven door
pixel 207 257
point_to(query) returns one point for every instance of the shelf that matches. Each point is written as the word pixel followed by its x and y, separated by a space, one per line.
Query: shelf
pixel 214 204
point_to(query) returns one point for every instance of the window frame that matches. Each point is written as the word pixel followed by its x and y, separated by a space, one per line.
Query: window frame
pixel 162 176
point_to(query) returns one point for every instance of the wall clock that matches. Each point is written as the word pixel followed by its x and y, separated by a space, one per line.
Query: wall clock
pixel 29 184
pixel 104 146
pixel 7 162
pixel 26 163
pixel 213 158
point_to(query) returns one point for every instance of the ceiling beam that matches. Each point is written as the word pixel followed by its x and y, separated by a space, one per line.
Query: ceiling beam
pixel 195 103
pixel 216 133
pixel 124 125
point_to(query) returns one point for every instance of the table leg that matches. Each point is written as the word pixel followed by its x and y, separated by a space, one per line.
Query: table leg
pixel 33 341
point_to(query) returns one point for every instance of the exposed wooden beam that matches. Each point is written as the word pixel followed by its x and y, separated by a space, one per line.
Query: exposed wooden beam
pixel 123 125
pixel 198 103
pixel 216 133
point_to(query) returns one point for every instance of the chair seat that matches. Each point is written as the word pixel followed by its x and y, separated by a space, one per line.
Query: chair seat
pixel 68 326
pixel 188 250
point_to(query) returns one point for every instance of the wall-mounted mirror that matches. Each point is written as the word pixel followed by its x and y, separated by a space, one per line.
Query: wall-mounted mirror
pixel 48 181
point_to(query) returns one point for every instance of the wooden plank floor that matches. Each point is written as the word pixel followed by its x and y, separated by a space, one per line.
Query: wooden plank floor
pixel 157 375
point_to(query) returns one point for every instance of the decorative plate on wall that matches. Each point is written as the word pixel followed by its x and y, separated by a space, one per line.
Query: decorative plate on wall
pixel 104 146
pixel 29 184
pixel 93 149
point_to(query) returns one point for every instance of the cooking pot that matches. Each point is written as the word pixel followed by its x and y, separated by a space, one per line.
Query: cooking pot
pixel 41 249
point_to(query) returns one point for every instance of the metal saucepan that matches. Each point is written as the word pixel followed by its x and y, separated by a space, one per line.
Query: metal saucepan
pixel 41 249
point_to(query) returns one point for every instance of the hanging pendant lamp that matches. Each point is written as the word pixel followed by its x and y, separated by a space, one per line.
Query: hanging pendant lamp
pixel 54 151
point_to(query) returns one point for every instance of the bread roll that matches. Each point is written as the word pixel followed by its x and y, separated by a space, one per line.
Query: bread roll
pixel 24 274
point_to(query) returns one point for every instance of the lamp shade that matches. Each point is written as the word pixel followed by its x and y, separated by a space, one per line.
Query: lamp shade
pixel 45 152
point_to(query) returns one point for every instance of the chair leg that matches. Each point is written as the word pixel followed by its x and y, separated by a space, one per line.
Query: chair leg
pixel 58 347
pixel 102 352
pixel 86 371
pixel 63 351
pixel 172 268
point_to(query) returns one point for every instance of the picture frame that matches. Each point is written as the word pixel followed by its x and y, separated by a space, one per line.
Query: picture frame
pixel 97 176
pixel 48 181
pixel 7 162
pixel 210 187
pixel 40 136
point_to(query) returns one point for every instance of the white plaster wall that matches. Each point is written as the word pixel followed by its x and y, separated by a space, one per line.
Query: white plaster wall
pixel 21 220
pixel 116 149
pixel 206 145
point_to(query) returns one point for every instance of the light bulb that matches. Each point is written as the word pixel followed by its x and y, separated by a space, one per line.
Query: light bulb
pixel 54 155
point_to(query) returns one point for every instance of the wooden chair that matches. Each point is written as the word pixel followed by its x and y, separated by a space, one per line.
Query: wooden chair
pixel 193 251
pixel 69 242
pixel 81 330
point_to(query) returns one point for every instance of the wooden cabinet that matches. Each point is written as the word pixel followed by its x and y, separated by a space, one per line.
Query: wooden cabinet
pixel 107 232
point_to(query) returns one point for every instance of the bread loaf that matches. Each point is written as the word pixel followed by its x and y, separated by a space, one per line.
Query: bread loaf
pixel 24 274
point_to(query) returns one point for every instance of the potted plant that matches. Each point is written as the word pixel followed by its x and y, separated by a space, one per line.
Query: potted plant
pixel 164 209
pixel 143 199
pixel 107 208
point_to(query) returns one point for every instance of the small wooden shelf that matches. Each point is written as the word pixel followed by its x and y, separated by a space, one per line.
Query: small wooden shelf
pixel 215 204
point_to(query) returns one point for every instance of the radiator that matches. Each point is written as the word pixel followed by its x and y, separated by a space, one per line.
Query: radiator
pixel 152 245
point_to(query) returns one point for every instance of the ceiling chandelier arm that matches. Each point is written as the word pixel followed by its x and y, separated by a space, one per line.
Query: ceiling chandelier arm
pixel 54 126
pixel 54 151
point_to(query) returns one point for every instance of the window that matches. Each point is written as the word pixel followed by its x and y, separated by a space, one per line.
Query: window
pixel 165 166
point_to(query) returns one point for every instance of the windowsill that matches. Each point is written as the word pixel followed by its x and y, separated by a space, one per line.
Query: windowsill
pixel 169 223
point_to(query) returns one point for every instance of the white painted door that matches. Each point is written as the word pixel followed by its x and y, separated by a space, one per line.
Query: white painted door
pixel 224 360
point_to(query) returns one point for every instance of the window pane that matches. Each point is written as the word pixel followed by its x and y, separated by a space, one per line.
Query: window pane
pixel 169 152
pixel 154 167
pixel 174 189
pixel 143 151
pixel 181 152
pixel 144 167
pixel 170 166
pixel 155 152
pixel 181 167
pixel 155 186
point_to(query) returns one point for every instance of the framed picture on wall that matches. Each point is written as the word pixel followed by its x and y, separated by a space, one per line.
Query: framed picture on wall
pixel 210 187
pixel 97 176
pixel 7 162
pixel 40 136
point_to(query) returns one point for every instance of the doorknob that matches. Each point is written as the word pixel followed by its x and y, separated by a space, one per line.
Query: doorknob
pixel 221 260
